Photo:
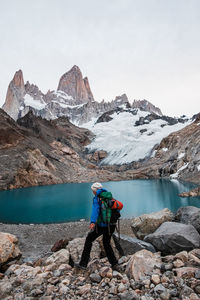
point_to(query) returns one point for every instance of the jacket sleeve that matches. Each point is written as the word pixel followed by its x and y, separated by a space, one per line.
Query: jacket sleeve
pixel 95 210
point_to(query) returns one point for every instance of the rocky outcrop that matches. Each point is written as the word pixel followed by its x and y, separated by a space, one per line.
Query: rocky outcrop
pixel 146 106
pixel 73 84
pixel 148 223
pixel 73 99
pixel 176 157
pixel 189 215
pixel 172 237
pixel 9 249
pixel 15 95
pixel 193 193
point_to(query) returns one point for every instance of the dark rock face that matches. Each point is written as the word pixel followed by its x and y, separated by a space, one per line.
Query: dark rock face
pixel 151 117
pixel 171 238
pixel 131 245
pixel 189 215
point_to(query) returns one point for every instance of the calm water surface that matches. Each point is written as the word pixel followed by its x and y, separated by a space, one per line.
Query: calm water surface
pixel 70 202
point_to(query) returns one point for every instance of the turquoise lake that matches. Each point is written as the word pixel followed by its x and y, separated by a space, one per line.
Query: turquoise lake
pixel 70 202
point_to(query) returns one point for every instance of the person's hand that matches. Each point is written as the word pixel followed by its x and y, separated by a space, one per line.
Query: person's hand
pixel 92 225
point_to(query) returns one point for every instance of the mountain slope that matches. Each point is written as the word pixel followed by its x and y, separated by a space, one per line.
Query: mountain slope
pixel 128 134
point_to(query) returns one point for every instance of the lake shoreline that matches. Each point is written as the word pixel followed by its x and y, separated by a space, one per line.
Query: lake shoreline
pixel 36 240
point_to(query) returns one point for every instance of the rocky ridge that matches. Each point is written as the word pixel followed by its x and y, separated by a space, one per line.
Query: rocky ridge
pixel 142 274
pixel 73 99
pixel 35 151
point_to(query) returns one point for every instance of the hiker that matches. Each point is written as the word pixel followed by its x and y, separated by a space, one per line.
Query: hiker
pixel 97 228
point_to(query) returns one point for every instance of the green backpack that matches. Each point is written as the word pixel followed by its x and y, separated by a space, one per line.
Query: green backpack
pixel 107 214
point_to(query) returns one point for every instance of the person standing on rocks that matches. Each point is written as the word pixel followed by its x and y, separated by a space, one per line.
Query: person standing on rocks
pixel 97 228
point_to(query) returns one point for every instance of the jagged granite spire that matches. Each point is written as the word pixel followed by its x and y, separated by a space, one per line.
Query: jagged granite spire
pixel 15 94
pixel 73 84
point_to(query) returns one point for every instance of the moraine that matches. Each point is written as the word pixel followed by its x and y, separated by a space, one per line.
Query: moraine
pixel 70 202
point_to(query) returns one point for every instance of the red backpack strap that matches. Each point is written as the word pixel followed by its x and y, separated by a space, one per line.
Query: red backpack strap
pixel 117 204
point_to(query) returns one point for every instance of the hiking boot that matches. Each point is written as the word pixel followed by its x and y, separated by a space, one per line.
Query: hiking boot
pixel 78 266
pixel 117 268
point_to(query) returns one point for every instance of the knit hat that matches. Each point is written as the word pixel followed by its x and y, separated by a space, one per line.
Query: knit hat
pixel 96 186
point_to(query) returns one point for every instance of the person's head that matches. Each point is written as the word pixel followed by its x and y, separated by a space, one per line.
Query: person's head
pixel 96 186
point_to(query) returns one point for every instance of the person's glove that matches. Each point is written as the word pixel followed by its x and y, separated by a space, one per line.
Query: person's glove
pixel 92 225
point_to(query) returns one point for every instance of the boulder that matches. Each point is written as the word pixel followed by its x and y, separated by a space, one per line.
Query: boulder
pixel 143 263
pixel 148 223
pixel 9 249
pixel 131 245
pixel 172 237
pixel 59 257
pixel 75 248
pixel 189 215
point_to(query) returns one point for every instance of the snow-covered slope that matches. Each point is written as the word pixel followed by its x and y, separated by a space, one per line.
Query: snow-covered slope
pixel 124 140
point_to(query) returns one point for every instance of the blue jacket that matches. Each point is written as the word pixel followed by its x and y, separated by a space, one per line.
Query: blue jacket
pixel 96 208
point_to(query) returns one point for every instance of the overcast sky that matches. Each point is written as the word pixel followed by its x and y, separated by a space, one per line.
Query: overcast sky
pixel 148 49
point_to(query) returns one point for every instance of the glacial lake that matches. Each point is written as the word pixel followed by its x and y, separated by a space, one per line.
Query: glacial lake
pixel 71 202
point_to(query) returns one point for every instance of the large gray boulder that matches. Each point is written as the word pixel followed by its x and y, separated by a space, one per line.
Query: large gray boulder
pixel 148 223
pixel 131 245
pixel 172 237
pixel 189 215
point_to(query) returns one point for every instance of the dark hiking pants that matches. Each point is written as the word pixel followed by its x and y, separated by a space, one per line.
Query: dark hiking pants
pixel 92 235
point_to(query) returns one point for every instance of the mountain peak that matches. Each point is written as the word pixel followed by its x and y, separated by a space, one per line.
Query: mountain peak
pixel 18 79
pixel 73 84
pixel 15 94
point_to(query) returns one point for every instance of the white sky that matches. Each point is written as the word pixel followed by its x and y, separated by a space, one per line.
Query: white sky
pixel 148 49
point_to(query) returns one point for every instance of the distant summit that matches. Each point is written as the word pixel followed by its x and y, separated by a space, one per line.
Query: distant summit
pixel 73 99
pixel 73 84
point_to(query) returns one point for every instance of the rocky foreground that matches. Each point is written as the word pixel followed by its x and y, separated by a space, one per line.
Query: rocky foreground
pixel 162 264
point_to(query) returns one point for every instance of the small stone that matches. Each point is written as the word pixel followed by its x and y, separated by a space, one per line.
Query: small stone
pixel 147 283
pixel 95 277
pixel 159 288
pixel 178 263
pixel 117 275
pixel 36 292
pixel 169 266
pixel 113 290
pixel 165 295
pixel 197 274
pixel 121 288
pixel 194 296
pixel 155 279
pixel 197 289
pixel 128 296
pixel 106 272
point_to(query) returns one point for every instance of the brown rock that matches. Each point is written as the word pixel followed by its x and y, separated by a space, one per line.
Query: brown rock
pixel 148 223
pixel 178 263
pixel 185 272
pixel 59 245
pixel 73 84
pixel 106 272
pixel 183 255
pixel 142 263
pixel 9 249
pixel 14 96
